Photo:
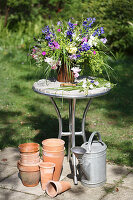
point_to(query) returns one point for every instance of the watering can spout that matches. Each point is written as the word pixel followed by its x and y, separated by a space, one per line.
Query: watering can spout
pixel 78 152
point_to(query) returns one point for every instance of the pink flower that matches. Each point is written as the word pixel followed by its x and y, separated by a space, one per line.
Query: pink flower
pixel 94 52
pixel 54 45
pixel 76 75
pixel 59 30
pixel 43 53
pixel 75 24
pixel 84 39
pixel 76 71
pixel 54 67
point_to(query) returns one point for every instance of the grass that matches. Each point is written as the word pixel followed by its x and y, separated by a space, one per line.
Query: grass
pixel 29 117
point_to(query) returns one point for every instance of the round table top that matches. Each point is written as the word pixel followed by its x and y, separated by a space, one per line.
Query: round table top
pixel 51 87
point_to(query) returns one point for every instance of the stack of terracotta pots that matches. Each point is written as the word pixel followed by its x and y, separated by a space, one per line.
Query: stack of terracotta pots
pixel 53 151
pixel 31 167
pixel 28 164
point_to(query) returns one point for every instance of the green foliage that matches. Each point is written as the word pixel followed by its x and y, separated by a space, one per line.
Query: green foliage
pixel 116 16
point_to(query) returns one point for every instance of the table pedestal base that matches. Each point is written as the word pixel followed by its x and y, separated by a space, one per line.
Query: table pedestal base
pixel 71 134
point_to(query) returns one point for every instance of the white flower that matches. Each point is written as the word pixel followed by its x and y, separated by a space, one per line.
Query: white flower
pixel 96 83
pixel 76 69
pixel 108 85
pixel 84 84
pixel 91 86
pixel 92 41
pixel 50 61
pixel 104 40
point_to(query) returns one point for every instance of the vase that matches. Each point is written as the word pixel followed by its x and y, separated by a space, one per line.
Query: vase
pixel 64 74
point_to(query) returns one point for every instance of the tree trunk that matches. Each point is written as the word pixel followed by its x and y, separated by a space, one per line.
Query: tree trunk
pixel 6 16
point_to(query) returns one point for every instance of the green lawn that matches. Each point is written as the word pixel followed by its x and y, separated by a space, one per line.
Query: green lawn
pixel 29 117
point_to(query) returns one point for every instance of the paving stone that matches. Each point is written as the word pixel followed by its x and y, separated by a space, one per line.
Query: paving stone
pixel 6 194
pixel 115 173
pixel 14 182
pixel 128 181
pixel 9 156
pixel 121 194
pixel 6 171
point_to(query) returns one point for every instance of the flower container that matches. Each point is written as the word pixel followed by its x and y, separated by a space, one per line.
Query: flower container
pixel 57 158
pixel 53 144
pixel 46 170
pixel 28 147
pixel 30 175
pixel 30 158
pixel 54 188
pixel 63 75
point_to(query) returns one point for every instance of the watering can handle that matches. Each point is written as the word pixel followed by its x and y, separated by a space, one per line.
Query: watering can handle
pixel 91 138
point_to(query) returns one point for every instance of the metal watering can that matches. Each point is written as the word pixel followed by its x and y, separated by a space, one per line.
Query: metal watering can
pixel 92 160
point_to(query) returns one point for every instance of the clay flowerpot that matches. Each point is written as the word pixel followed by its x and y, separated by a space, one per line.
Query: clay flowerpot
pixel 28 147
pixel 29 175
pixel 46 170
pixel 29 158
pixel 56 187
pixel 53 144
pixel 57 158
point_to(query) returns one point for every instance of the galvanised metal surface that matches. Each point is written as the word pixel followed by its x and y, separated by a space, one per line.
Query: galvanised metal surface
pixel 93 164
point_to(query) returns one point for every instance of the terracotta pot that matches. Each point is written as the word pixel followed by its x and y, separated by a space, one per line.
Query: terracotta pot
pixel 56 158
pixel 53 144
pixel 28 147
pixel 46 169
pixel 29 175
pixel 56 187
pixel 29 164
pixel 63 75
pixel 30 158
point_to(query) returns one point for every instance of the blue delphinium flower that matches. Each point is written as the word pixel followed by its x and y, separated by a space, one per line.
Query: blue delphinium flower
pixel 98 32
pixel 45 30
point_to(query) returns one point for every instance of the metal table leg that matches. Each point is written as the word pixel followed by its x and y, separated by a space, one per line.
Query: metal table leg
pixel 59 117
pixel 83 119
pixel 73 140
pixel 70 130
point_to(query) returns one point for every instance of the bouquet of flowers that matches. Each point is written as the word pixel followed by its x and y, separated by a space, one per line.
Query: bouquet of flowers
pixel 79 46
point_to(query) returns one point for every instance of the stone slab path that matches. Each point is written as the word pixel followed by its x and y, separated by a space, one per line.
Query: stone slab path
pixel 119 185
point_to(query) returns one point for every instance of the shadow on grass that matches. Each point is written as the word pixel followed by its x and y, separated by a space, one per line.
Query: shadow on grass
pixel 47 126
pixel 6 130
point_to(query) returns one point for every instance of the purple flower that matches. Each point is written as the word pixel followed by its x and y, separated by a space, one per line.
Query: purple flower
pixel 58 23
pixel 92 81
pixel 54 45
pixel 102 30
pixel 73 57
pixel 104 40
pixel 71 25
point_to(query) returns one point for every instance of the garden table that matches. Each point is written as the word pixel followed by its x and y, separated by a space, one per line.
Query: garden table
pixel 52 88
